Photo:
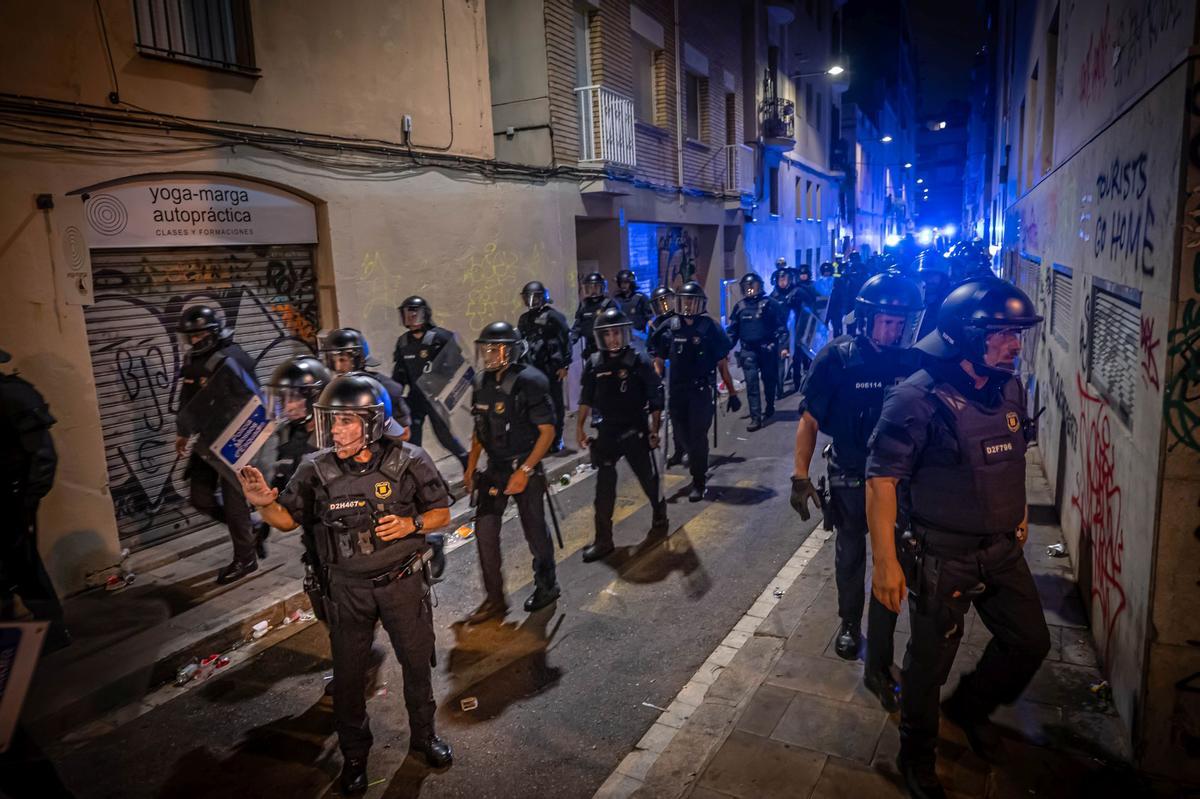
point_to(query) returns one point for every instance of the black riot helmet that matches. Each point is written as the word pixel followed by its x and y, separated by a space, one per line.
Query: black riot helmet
pixel 626 281
pixel 751 285
pixel 293 387
pixel 971 313
pixel 663 300
pixel 415 313
pixel 351 414
pixel 826 269
pixel 535 295
pixel 594 285
pixel 612 330
pixel 888 310
pixel 970 262
pixel 804 273
pixel 200 320
pixel 347 341
pixel 690 300
pixel 933 273
pixel 497 347
pixel 781 278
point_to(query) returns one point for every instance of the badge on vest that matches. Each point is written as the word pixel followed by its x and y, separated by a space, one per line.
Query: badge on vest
pixel 1014 424
pixel 998 450
pixel 383 490
pixel 498 407
pixel 424 354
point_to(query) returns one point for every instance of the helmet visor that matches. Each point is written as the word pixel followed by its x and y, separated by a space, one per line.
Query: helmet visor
pixel 344 360
pixel 290 404
pixel 414 316
pixel 892 328
pixel 200 341
pixel 664 304
pixel 1002 348
pixel 688 305
pixel 613 338
pixel 783 280
pixel 348 430
pixel 751 288
pixel 593 289
pixel 492 356
pixel 533 299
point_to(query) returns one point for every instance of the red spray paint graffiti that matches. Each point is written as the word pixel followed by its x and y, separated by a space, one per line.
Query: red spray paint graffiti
pixel 1149 359
pixel 1093 71
pixel 1098 500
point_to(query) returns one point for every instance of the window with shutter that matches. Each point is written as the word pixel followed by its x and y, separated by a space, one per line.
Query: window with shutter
pixel 1113 345
pixel 1062 297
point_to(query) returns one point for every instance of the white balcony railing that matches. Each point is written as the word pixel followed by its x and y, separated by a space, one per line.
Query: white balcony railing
pixel 606 133
pixel 739 169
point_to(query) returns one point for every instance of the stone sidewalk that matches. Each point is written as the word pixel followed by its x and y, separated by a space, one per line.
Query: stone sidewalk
pixel 787 718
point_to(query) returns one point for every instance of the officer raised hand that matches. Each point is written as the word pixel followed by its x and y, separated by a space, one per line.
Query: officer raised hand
pixel 256 488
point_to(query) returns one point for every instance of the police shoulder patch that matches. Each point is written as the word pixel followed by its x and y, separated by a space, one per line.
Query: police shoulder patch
pixel 383 489
pixel 1014 424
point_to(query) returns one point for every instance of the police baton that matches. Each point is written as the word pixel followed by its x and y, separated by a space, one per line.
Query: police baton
pixel 716 412
pixel 654 466
pixel 553 516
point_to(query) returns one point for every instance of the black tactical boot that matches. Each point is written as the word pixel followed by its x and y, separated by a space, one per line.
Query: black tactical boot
pixel 755 424
pixel 436 751
pixel 236 571
pixel 676 459
pixel 769 412
pixel 884 687
pixel 697 492
pixel 848 640
pixel 921 779
pixel 597 551
pixel 982 736
pixel 490 609
pixel 541 597
pixel 354 776
pixel 660 525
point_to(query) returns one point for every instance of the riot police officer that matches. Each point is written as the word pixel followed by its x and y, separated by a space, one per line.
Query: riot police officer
pixel 760 324
pixel 415 349
pixel 293 388
pixel 369 500
pixel 845 288
pixel 662 299
pixel 208 344
pixel 841 396
pixel 548 339
pixel 591 302
pixel 346 350
pixel 933 274
pixel 633 303
pixel 514 424
pixel 696 348
pixel 620 383
pixel 28 462
pixel 956 431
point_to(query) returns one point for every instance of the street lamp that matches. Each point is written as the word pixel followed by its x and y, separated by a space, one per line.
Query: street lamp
pixel 886 138
pixel 908 164
pixel 835 70
pixel 920 181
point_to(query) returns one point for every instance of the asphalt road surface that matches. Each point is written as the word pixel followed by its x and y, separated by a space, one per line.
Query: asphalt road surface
pixel 560 693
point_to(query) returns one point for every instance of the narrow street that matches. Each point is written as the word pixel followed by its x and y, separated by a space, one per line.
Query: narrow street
pixel 560 693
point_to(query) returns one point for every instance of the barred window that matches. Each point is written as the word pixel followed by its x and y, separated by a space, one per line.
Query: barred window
pixel 1113 349
pixel 1062 298
pixel 210 33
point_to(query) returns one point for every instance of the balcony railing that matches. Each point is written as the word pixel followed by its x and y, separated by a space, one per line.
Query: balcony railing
pixel 606 131
pixel 739 169
pixel 777 116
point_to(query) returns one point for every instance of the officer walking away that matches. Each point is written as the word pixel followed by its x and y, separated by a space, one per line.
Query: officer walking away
pixel 369 501
pixel 548 339
pixel 620 383
pixel 845 288
pixel 514 424
pixel 28 462
pixel 933 274
pixel 591 302
pixel 696 347
pixel 633 303
pixel 208 344
pixel 759 323
pixel 842 396
pixel 346 350
pixel 415 349
pixel 956 432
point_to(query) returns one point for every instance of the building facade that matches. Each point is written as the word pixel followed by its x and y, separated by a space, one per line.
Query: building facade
pixel 1093 202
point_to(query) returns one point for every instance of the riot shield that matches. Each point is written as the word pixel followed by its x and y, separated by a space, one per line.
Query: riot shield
pixel 229 419
pixel 811 333
pixel 446 383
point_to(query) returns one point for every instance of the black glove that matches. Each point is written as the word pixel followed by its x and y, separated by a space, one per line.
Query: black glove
pixel 802 492
pixel 734 405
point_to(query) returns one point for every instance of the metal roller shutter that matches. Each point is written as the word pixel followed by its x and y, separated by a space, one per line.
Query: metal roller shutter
pixel 1113 357
pixel 267 295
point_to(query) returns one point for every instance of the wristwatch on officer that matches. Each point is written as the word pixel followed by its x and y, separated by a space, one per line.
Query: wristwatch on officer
pixel 418 523
pixel 525 467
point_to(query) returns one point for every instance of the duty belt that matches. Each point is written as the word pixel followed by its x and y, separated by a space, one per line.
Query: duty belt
pixel 956 543
pixel 415 563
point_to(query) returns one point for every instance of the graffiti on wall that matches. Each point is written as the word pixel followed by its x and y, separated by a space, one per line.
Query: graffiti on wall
pixel 1098 500
pixel 1181 399
pixel 1124 226
pixel 1149 345
pixel 1122 43
pixel 1061 403
pixel 136 359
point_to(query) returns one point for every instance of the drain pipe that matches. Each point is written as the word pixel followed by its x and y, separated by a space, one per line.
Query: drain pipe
pixel 679 109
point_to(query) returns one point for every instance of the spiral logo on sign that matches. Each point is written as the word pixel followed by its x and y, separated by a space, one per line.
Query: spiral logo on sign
pixel 74 247
pixel 106 214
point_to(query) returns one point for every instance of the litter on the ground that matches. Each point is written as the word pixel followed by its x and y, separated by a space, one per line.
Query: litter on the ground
pixel 260 629
pixel 306 615
pixel 1101 690
pixel 468 704
pixel 186 673
pixel 654 707
pixel 466 531
pixel 778 592
pixel 1058 550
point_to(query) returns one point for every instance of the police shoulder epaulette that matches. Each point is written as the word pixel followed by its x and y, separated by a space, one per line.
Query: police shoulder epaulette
pixel 594 360
pixel 326 465
pixel 395 461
